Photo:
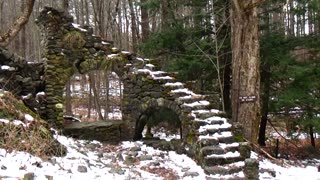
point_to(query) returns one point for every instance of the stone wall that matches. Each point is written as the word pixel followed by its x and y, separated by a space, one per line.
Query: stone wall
pixel 22 78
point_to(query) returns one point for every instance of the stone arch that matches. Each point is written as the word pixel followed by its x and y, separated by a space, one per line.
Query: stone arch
pixel 151 107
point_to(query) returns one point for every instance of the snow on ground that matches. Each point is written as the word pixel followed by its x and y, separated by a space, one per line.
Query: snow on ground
pixel 129 160
pixel 94 160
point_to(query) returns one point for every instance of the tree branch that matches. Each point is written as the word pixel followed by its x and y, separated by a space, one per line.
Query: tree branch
pixel 12 32
pixel 254 4
pixel 237 6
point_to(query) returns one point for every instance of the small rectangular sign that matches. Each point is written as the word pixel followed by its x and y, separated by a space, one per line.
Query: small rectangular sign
pixel 247 98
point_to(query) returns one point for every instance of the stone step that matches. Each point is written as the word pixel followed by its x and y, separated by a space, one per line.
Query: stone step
pixel 177 93
pixel 227 169
pixel 191 98
pixel 227 139
pixel 213 131
pixel 208 150
pixel 197 105
pixel 208 141
pixel 222 159
pixel 197 123
pixel 214 128
pixel 174 85
pixel 205 113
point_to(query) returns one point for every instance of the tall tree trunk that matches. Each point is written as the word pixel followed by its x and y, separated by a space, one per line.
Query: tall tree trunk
pixel 68 98
pixel 23 42
pixel 245 67
pixel 145 28
pixel 265 104
pixel 313 142
pixel 12 32
pixel 65 6
pixel 133 27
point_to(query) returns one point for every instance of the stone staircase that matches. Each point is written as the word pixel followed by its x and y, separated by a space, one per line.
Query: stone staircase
pixel 215 148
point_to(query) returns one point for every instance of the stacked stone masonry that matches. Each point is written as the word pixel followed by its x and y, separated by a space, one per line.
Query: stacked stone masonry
pixel 70 48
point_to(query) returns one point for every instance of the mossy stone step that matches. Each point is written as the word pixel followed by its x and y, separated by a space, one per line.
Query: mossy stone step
pixel 220 160
pixel 223 170
pixel 208 150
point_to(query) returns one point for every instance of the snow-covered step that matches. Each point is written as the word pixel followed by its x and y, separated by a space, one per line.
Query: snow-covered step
pixel 227 169
pixel 214 120
pixel 197 104
pixel 214 128
pixel 223 137
pixel 173 85
pixel 181 92
pixel 191 98
pixel 205 113
pixel 221 159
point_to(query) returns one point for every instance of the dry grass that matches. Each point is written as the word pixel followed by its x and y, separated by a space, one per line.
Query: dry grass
pixel 30 136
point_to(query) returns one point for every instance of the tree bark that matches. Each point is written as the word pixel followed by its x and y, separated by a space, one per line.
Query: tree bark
pixel 265 104
pixel 313 142
pixel 145 28
pixel 12 32
pixel 133 27
pixel 245 67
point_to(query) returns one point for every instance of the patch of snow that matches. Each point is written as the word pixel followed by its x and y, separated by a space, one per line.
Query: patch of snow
pixel 173 84
pixel 216 135
pixel 4 120
pixel 28 117
pixel 112 55
pixel 125 52
pixel 214 126
pixel 184 90
pixel 225 145
pixel 18 123
pixel 78 27
pixel 150 65
pixel 41 93
pixel 197 103
pixel 227 155
pixel 8 68
pixel 140 59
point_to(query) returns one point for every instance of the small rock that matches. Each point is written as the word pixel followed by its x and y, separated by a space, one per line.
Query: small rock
pixel 145 157
pixel 3 167
pixel 192 174
pixel 38 164
pixel 49 177
pixel 156 163
pixel 120 157
pixel 28 176
pixel 129 160
pixel 117 170
pixel 100 155
pixel 185 169
pixel 135 148
pixel 53 161
pixel 133 153
pixel 82 169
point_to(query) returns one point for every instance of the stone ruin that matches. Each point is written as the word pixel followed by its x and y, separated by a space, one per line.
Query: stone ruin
pixel 69 48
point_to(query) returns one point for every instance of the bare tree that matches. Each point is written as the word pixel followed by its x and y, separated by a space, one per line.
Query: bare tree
pixel 12 32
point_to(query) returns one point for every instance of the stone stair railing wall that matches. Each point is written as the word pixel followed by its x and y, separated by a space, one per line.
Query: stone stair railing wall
pixel 206 134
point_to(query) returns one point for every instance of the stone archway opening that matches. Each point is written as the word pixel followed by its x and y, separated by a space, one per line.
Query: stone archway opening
pixel 93 96
pixel 158 123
